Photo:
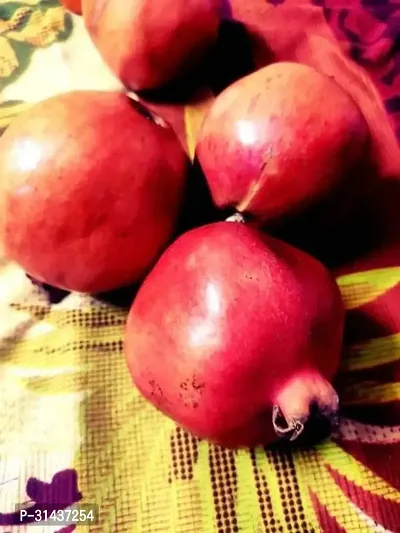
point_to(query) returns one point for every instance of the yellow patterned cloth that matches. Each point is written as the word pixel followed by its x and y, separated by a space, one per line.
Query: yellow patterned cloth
pixel 71 422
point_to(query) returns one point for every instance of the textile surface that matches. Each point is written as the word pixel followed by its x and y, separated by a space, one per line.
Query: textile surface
pixel 72 426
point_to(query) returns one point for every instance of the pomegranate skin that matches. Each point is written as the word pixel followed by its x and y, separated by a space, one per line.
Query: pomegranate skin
pixel 229 323
pixel 279 140
pixel 88 198
pixel 75 6
pixel 150 44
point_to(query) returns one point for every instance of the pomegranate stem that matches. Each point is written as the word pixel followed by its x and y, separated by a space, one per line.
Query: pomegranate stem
pixel 236 217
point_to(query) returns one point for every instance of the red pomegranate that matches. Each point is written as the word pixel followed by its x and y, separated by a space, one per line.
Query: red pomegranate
pixel 235 336
pixel 150 44
pixel 90 191
pixel 279 140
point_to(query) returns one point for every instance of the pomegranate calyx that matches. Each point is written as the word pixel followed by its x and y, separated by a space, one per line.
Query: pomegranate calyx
pixel 236 217
pixel 307 407
pixel 286 429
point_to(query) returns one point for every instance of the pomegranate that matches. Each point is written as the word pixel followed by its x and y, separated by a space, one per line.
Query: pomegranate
pixel 279 140
pixel 91 188
pixel 75 6
pixel 235 336
pixel 150 44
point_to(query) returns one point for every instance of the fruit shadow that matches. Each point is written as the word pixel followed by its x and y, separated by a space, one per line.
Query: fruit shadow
pixel 227 61
pixel 53 294
pixel 341 233
pixel 374 319
pixel 122 297
pixel 198 208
